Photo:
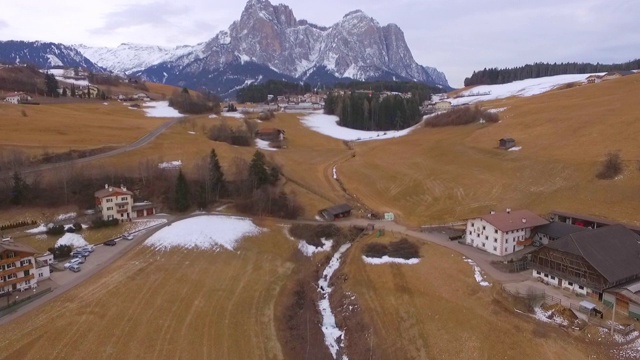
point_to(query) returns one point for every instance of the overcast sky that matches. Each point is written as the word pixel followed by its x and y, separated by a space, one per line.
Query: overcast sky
pixel 456 36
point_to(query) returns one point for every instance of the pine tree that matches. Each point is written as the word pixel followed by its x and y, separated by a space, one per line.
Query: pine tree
pixel 18 190
pixel 258 171
pixel 51 84
pixel 182 193
pixel 217 186
pixel 64 92
pixel 73 90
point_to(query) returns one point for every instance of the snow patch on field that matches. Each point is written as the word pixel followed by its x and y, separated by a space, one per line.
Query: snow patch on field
pixel 498 110
pixel 137 225
pixel 160 109
pixel 211 232
pixel 528 87
pixel 309 250
pixel 67 216
pixel 549 317
pixel 333 336
pixel 38 230
pixel 335 173
pixel 233 114
pixel 73 240
pixel 389 260
pixel 213 116
pixel 516 148
pixel 328 125
pixel 171 164
pixel 477 273
pixel 264 145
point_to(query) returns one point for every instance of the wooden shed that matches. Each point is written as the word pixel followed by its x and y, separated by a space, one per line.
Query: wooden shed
pixel 506 143
pixel 336 212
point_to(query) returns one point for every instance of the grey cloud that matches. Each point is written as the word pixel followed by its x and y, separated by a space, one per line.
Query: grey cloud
pixel 159 14
pixel 3 24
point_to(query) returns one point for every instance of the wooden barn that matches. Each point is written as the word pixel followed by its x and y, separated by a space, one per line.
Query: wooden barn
pixel 591 261
pixel 506 143
pixel 336 212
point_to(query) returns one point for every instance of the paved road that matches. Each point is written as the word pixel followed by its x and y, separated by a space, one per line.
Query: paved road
pixel 65 280
pixel 133 146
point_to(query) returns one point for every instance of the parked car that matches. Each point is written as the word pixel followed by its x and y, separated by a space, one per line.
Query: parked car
pixel 74 267
pixel 127 236
pixel 110 243
pixel 75 261
pixel 78 253
pixel 88 248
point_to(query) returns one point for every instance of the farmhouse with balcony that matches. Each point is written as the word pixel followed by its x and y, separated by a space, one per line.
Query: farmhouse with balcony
pixel 502 233
pixel 442 106
pixel 17 267
pixel 117 203
pixel 590 262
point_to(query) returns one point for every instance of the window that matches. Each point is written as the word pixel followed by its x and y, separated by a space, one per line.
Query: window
pixel 11 266
pixel 553 277
pixel 570 283
pixel 546 275
pixel 580 287
pixel 484 227
pixel 495 231
pixel 495 248
pixel 40 275
pixel 124 198
pixel 26 273
pixel 122 215
pixel 25 262
pixel 109 200
pixel 538 272
pixel 469 232
pixel 110 208
pixel 27 282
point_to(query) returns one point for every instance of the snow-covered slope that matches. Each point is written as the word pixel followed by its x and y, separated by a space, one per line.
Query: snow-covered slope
pixel 528 87
pixel 44 55
pixel 126 58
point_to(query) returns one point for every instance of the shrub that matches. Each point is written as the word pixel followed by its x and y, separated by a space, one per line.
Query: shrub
pixel 60 251
pixel 77 226
pixel 230 135
pixel 55 230
pixel 462 116
pixel 611 167
pixel 188 104
pixel 313 234
pixel 375 250
pixel 266 115
pixel 403 249
pixel 100 223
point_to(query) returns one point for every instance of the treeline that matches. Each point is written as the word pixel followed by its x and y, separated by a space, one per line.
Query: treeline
pixel 22 78
pixel 187 103
pixel 255 187
pixel 531 71
pixel 362 111
pixel 419 91
pixel 258 93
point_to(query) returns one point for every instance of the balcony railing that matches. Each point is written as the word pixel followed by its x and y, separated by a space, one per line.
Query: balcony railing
pixel 16 270
pixel 9 260
pixel 17 280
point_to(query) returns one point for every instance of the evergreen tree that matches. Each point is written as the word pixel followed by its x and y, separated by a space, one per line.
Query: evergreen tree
pixel 182 193
pixel 258 170
pixel 64 92
pixel 185 90
pixel 217 186
pixel 73 90
pixel 19 189
pixel 274 175
pixel 51 85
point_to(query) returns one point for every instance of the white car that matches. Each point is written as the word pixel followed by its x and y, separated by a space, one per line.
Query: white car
pixel 127 236
pixel 76 261
pixel 88 248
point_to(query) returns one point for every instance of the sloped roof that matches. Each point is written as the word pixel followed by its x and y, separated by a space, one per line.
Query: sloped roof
pixel 12 246
pixel 112 190
pixel 614 251
pixel 508 221
pixel 559 229
pixel 621 72
pixel 338 209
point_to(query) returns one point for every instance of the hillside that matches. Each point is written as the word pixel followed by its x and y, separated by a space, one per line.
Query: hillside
pixel 441 175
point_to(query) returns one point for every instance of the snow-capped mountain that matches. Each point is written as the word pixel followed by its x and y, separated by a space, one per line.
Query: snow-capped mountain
pixel 127 58
pixel 44 55
pixel 269 40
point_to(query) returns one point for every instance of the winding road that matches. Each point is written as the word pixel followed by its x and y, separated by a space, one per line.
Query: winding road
pixel 133 146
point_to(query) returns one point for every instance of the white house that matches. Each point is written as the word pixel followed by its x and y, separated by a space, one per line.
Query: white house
pixel 114 203
pixel 502 233
pixel 443 106
pixel 17 98
pixel 42 266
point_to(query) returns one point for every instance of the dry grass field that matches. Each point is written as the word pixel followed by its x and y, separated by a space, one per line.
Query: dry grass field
pixel 61 127
pixel 165 305
pixel 446 174
pixel 436 310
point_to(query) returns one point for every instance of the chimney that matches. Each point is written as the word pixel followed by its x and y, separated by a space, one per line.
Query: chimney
pixel 123 187
pixel 106 186
pixel 492 212
pixel 508 210
pixel 524 221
